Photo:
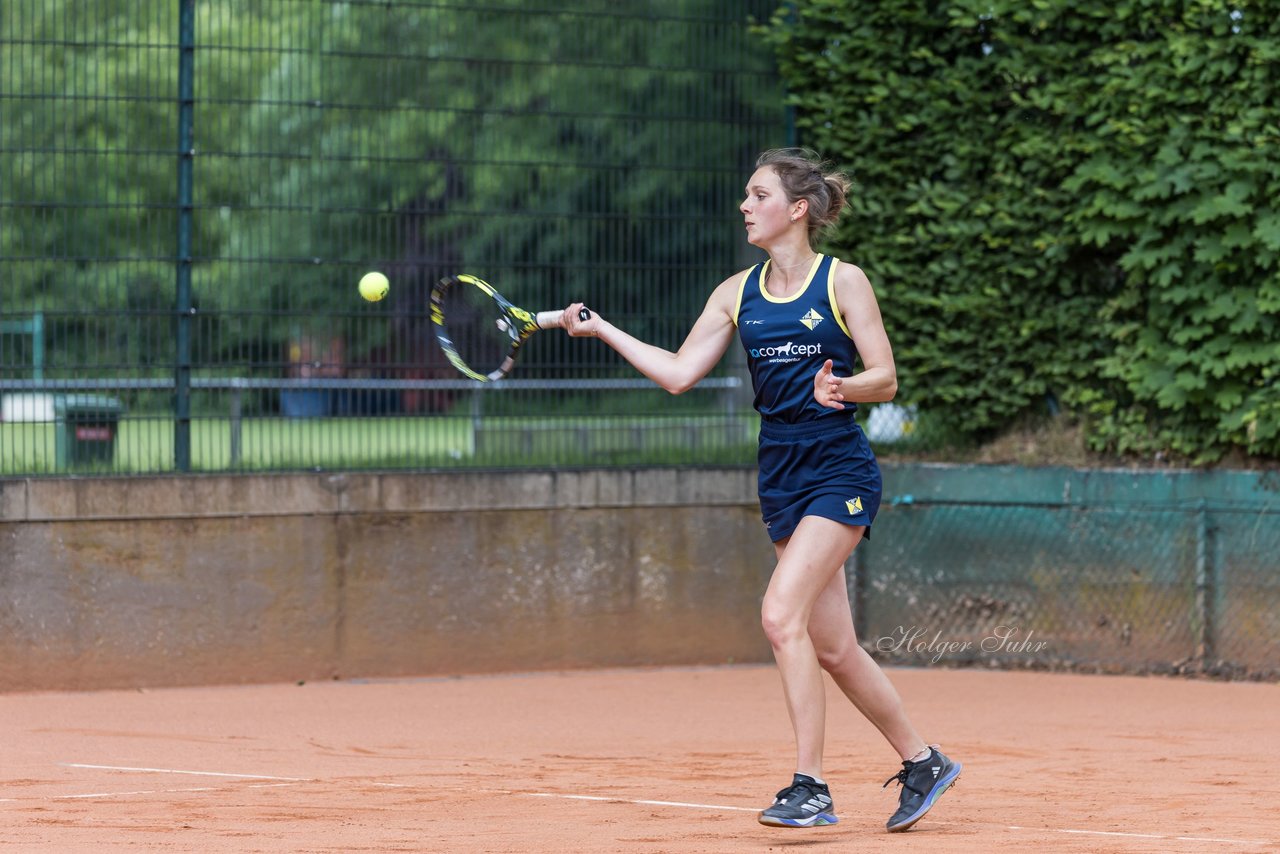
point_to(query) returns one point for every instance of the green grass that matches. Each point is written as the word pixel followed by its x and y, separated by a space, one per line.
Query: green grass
pixel 146 445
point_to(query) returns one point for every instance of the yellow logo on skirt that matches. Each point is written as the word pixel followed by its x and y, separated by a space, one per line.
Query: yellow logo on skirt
pixel 854 505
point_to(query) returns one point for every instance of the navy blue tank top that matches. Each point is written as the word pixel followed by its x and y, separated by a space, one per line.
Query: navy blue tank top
pixel 788 338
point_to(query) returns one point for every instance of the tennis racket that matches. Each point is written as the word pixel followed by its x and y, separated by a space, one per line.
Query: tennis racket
pixel 479 330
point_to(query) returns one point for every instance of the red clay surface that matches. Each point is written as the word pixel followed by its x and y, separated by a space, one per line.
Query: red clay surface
pixel 675 760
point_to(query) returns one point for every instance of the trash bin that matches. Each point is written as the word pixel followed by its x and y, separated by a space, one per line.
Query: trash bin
pixel 86 427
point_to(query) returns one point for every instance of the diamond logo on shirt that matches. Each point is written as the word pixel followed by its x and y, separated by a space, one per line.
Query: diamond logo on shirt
pixel 811 318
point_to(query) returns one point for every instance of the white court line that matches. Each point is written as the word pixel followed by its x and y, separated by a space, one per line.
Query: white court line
pixel 175 771
pixel 126 794
pixel 287 781
pixel 92 795
pixel 1006 827
pixel 629 801
pixel 606 799
pixel 158 792
pixel 1146 835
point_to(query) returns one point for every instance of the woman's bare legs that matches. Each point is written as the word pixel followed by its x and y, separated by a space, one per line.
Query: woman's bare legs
pixel 855 672
pixel 806 618
pixel 806 562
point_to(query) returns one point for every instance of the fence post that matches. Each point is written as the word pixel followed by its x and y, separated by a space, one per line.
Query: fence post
pixel 37 346
pixel 186 152
pixel 236 386
pixel 477 420
pixel 1205 583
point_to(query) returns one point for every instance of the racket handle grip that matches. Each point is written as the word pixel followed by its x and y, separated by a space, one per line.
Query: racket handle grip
pixel 551 319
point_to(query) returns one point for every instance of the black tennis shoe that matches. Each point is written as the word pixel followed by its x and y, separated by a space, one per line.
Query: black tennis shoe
pixel 922 784
pixel 805 803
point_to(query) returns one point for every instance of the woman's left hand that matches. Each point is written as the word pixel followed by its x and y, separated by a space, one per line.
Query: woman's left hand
pixel 827 387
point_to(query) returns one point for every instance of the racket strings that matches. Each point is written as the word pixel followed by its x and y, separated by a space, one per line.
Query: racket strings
pixel 476 326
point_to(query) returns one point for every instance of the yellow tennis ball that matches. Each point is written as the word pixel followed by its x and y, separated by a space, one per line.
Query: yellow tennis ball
pixel 374 286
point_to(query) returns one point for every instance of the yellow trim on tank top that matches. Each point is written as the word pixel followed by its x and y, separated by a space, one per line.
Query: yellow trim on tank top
pixel 831 297
pixel 742 287
pixel 764 273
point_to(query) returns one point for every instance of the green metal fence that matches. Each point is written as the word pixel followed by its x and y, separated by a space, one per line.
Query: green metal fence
pixel 189 192
pixel 1165 572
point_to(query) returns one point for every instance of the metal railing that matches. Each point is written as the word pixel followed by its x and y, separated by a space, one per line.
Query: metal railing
pixel 43 440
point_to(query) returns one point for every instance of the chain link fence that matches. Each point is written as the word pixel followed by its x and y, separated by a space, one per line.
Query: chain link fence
pixel 1190 588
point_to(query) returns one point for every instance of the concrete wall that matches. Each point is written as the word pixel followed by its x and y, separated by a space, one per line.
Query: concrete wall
pixel 120 582
pixel 123 582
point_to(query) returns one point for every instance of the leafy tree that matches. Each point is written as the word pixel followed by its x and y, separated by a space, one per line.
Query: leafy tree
pixel 87 176
pixel 564 155
pixel 593 153
pixel 1059 202
pixel 1180 187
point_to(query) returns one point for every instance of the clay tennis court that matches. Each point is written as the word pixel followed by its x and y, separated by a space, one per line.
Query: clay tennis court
pixel 666 760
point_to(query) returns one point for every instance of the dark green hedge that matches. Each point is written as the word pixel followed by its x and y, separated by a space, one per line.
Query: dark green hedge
pixel 1061 203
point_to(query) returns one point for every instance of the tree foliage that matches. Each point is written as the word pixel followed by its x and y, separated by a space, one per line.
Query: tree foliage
pixel 585 152
pixel 1071 202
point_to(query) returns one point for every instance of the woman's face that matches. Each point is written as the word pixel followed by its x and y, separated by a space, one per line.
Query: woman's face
pixel 766 209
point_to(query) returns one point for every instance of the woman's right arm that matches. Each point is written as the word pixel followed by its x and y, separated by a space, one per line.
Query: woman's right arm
pixel 676 372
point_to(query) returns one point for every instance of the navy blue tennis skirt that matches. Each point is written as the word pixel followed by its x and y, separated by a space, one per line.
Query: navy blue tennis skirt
pixel 817 468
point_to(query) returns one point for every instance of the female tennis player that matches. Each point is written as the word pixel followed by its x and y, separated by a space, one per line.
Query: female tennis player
pixel 805 320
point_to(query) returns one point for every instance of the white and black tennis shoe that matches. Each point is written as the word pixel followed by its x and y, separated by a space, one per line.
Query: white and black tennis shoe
pixel 805 803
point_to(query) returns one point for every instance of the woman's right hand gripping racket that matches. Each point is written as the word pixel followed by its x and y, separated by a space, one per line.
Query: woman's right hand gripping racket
pixel 479 330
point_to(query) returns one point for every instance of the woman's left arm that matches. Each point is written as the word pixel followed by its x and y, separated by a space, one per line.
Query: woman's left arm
pixel 878 379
